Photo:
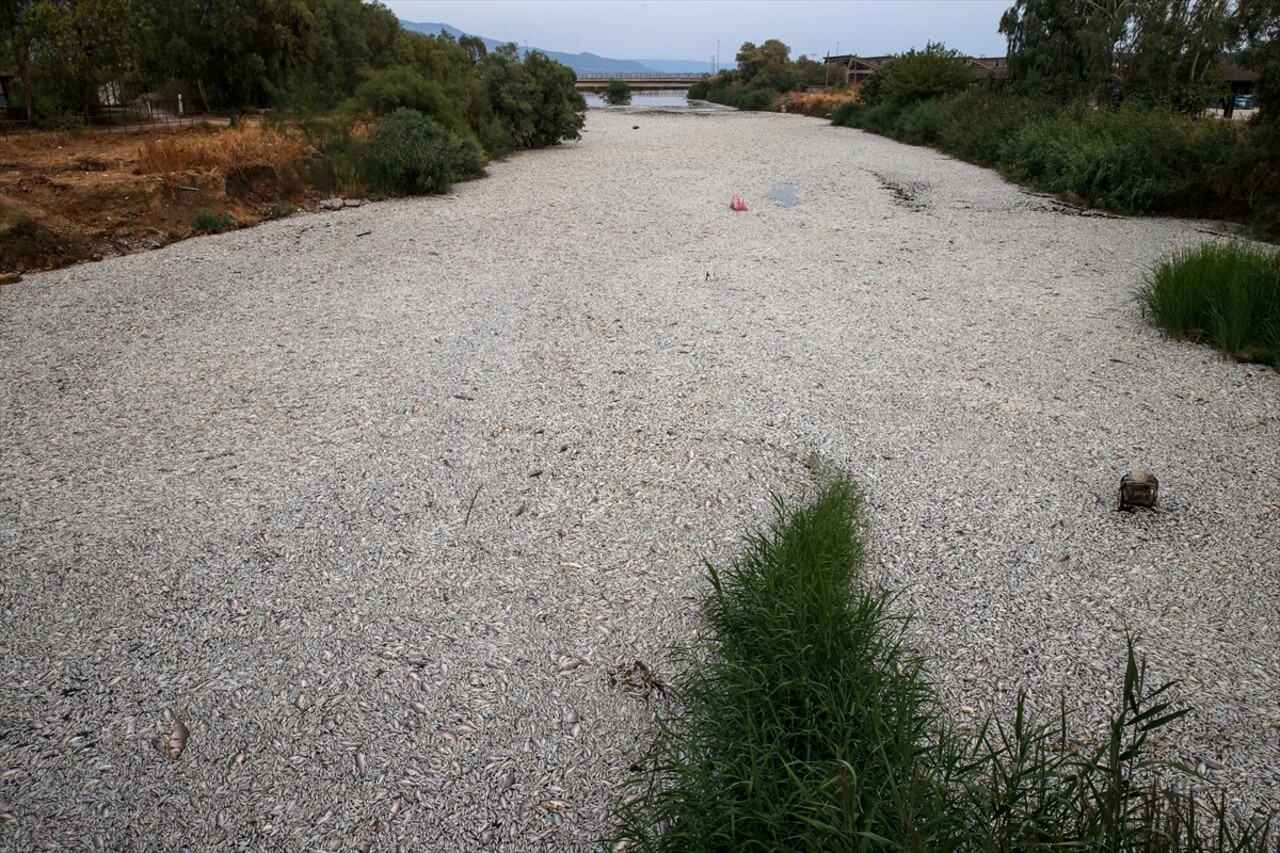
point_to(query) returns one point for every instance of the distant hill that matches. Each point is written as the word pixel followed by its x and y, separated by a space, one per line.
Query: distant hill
pixel 582 63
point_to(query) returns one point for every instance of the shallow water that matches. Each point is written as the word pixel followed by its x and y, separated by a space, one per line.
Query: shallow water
pixel 786 194
pixel 646 98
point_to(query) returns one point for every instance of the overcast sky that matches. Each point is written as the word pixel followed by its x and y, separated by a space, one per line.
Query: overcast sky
pixel 689 29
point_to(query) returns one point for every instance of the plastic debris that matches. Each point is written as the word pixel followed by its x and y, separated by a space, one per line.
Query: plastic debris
pixel 737 203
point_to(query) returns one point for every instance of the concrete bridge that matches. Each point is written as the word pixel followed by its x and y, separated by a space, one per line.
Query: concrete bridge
pixel 593 81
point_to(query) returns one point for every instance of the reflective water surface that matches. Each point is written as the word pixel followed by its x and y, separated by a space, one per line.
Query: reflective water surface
pixel 646 98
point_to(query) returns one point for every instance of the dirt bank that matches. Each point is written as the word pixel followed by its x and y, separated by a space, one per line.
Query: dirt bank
pixel 68 198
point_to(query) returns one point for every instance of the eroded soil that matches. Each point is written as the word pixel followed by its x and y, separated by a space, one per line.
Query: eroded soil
pixel 66 199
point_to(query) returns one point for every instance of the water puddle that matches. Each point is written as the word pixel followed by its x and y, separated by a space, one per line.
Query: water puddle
pixel 786 194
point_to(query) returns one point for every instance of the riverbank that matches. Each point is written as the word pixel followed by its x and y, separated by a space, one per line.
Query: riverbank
pixel 379 525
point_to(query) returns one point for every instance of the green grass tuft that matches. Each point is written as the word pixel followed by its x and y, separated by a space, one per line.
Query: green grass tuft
pixel 212 222
pixel 1225 294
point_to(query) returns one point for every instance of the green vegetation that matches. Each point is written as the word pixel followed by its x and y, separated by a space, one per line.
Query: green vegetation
pixel 411 154
pixel 617 93
pixel 1103 104
pixel 1224 294
pixel 806 723
pixel 334 67
pixel 212 222
pixel 763 74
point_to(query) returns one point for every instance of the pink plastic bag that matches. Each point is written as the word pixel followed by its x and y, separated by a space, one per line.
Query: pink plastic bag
pixel 737 203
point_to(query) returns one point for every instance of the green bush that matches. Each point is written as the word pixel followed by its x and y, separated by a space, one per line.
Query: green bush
pixel 400 86
pixel 919 123
pixel 1139 160
pixel 617 93
pixel 1224 294
pixel 977 124
pixel 881 118
pixel 921 75
pixel 412 154
pixel 212 222
pixel 755 100
pixel 698 91
pixel 807 726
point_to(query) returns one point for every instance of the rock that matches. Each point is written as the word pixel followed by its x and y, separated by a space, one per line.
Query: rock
pixel 332 204
pixel 1137 488
pixel 10 277
pixel 352 202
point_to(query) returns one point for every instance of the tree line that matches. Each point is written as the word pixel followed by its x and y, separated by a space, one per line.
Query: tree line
pixel 1169 52
pixel 69 56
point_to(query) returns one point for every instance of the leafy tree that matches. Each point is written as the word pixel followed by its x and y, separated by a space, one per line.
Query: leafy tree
pixel 1258 26
pixel 767 66
pixel 1046 53
pixel 535 99
pixel 390 89
pixel 919 75
pixel 1160 51
pixel 617 92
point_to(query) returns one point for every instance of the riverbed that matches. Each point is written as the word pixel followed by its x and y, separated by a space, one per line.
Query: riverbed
pixel 380 525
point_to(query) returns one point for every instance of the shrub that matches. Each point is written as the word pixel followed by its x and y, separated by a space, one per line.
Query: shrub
pixel 920 75
pixel 698 91
pixel 390 89
pixel 617 93
pixel 918 124
pixel 212 222
pixel 755 100
pixel 976 124
pixel 808 722
pixel 1224 294
pixel 411 154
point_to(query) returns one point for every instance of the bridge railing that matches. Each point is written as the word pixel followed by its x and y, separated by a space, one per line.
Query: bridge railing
pixel 638 75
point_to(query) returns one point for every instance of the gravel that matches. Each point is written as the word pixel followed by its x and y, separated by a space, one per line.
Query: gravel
pixel 315 540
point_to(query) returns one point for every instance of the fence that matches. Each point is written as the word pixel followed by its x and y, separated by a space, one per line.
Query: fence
pixel 136 117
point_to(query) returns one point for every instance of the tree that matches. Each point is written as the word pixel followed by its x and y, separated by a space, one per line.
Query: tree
pixel 1258 27
pixel 1046 54
pixel 1160 51
pixel 767 66
pixel 919 75
pixel 535 99
pixel 617 93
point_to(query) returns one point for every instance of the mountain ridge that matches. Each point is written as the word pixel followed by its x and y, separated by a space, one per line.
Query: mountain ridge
pixel 581 63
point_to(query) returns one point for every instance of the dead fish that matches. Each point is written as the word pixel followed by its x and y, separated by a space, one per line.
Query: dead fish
pixel 177 741
pixel 508 779
pixel 362 766
pixel 237 760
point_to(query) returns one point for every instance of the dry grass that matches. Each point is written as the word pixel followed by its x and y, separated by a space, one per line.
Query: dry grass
pixel 220 149
pixel 816 103
pixel 17 146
